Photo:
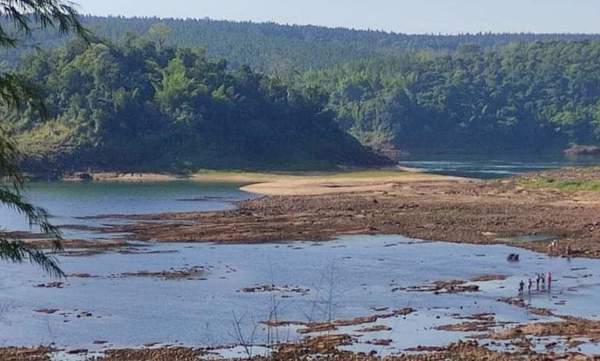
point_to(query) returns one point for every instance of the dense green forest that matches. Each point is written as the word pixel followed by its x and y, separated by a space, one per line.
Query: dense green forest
pixel 521 98
pixel 145 102
pixel 281 49
pixel 147 106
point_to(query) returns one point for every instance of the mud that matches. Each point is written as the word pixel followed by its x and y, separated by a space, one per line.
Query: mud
pixel 377 328
pixel 315 327
pixel 440 287
pixel 571 327
pixel 494 212
pixel 25 354
pixel 520 302
pixel 460 351
pixel 316 348
pixel 285 289
pixel 161 354
pixel 191 273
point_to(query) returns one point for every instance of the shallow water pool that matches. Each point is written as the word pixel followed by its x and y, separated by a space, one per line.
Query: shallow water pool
pixel 346 278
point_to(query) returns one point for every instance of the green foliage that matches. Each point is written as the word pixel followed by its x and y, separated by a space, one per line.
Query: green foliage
pixel 524 97
pixel 24 15
pixel 280 49
pixel 16 92
pixel 569 185
pixel 142 106
pixel 11 185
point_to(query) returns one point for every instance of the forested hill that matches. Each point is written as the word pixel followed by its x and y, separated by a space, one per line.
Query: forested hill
pixel 521 98
pixel 270 47
pixel 146 106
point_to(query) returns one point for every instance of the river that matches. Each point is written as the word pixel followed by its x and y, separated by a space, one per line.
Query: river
pixel 107 302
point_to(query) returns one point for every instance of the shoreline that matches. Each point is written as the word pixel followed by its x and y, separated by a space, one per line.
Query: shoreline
pixel 322 206
pixel 415 205
pixel 237 176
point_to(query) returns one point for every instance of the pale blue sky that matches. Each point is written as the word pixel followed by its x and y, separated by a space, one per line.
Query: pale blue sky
pixel 408 16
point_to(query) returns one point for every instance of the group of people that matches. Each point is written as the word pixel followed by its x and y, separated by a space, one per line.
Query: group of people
pixel 541 280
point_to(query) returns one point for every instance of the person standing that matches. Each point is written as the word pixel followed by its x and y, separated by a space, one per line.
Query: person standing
pixel 543 279
pixel 521 287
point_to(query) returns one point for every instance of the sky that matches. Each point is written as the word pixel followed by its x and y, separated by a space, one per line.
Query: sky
pixel 405 16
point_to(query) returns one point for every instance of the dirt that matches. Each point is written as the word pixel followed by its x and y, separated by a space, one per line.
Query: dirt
pixel 318 348
pixel 285 289
pixel 190 273
pixel 461 351
pixel 315 327
pixel 571 327
pixel 376 328
pixel 471 326
pixel 25 354
pixel 441 287
pixel 380 342
pixel 520 302
pixel 476 212
pixel 160 354
pixel 481 322
pixel 50 285
pixel 489 278
pixel 451 286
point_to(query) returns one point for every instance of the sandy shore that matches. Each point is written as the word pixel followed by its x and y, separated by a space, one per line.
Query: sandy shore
pixel 357 182
pixel 415 205
pixel 282 183
pixel 423 206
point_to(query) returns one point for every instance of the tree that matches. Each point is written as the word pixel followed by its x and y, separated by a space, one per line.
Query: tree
pixel 160 33
pixel 15 92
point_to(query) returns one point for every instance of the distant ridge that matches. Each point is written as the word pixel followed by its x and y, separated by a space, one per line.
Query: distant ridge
pixel 278 48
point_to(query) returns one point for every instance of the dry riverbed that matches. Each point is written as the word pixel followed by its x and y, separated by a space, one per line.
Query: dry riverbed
pixel 312 348
pixel 518 211
pixel 529 212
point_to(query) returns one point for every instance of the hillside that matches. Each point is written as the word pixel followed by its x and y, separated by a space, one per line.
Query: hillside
pixel 141 106
pixel 536 97
pixel 271 47
pixel 188 108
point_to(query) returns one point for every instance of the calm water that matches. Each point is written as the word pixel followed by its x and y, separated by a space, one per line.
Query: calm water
pixel 345 278
pixel 67 201
pixel 486 167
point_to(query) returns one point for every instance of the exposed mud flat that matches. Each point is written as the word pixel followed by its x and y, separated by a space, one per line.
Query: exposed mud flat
pixel 439 287
pixel 188 273
pixel 314 349
pixel 316 327
pixel 285 289
pixel 477 212
pixel 25 354
pixel 365 303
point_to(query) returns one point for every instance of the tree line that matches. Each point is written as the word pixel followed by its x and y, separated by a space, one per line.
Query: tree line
pixel 276 48
pixel 144 105
pixel 536 97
